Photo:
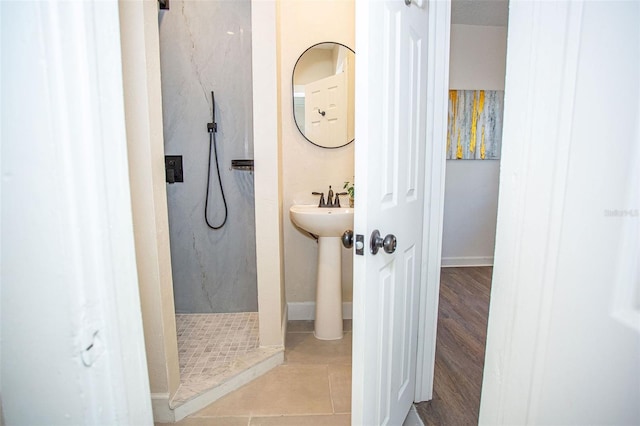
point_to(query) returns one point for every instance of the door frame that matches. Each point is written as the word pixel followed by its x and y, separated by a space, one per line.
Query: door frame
pixel 437 110
pixel 70 280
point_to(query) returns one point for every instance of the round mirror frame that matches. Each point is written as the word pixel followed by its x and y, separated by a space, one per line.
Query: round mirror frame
pixel 293 94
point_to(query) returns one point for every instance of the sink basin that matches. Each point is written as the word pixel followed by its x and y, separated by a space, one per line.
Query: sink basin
pixel 321 221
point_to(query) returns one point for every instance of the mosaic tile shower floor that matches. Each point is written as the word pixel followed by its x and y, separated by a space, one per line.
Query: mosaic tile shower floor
pixel 209 341
pixel 216 348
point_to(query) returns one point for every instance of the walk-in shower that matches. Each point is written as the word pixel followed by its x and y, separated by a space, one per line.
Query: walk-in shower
pixel 205 47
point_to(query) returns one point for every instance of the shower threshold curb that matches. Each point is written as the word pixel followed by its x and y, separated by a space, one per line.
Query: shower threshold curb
pixel 194 396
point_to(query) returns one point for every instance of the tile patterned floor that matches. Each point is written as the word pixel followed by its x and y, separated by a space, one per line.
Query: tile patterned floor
pixel 312 387
pixel 214 350
pixel 209 341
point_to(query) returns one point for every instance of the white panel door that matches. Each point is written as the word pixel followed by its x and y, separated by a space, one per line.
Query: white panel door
pixel 390 162
pixel 326 111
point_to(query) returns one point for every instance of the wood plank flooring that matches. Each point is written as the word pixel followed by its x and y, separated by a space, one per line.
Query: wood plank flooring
pixel 460 344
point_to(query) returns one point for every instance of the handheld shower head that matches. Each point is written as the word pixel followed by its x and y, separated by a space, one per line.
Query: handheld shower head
pixel 213 126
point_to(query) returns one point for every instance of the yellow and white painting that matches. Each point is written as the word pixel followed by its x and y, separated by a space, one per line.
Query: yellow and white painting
pixel 475 124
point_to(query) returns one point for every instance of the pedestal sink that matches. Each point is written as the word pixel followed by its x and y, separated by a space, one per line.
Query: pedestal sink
pixel 328 224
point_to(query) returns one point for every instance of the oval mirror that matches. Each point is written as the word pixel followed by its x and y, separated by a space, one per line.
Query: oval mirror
pixel 324 94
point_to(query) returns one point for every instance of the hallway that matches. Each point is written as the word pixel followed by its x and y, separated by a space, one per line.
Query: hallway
pixel 460 347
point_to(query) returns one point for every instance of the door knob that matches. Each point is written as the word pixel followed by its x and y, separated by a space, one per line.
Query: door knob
pixel 347 239
pixel 387 243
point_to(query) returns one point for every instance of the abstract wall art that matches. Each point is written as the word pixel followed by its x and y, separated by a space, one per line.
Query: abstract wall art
pixel 475 124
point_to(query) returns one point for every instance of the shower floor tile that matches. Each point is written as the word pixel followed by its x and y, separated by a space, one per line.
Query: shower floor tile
pixel 207 342
pixel 217 353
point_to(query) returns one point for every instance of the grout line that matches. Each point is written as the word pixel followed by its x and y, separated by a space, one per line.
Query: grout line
pixel 333 408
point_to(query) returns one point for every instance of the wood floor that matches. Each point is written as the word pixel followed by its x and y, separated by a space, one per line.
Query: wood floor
pixel 460 343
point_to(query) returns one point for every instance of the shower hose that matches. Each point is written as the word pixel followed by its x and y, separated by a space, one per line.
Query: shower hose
pixel 212 143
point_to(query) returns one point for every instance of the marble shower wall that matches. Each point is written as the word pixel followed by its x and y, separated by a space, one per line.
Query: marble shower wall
pixel 206 46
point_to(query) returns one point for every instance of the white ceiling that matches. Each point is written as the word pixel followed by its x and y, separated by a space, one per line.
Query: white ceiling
pixel 480 12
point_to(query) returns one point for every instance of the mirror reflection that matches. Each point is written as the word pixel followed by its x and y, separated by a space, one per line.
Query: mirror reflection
pixel 324 94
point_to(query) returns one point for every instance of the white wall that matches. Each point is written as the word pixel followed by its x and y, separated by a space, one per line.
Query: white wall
pixel 477 57
pixel 306 167
pixel 477 61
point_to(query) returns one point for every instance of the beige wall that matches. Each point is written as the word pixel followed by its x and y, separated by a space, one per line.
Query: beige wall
pixel 143 110
pixel 306 167
pixel 315 65
pixel 267 152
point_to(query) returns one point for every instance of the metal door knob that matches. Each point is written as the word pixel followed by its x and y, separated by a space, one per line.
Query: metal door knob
pixel 387 243
pixel 347 239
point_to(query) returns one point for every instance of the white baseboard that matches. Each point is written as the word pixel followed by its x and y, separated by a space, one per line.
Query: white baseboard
pixel 162 413
pixel 307 310
pixel 467 261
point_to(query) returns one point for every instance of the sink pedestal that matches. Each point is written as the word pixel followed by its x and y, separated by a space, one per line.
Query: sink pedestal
pixel 328 224
pixel 328 323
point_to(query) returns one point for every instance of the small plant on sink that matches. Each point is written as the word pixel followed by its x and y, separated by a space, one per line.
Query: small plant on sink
pixel 351 191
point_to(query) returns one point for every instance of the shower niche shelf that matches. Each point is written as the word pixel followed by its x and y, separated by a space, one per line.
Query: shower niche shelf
pixel 245 165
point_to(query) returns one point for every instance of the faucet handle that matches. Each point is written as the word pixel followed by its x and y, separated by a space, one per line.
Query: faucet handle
pixel 336 203
pixel 321 194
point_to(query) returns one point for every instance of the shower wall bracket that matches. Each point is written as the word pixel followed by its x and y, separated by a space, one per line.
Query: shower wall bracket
pixel 164 4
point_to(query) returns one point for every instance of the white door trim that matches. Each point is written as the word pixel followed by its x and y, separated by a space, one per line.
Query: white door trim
pixel 437 106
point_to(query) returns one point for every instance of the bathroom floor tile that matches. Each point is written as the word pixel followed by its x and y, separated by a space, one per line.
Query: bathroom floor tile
pixel 331 420
pixel 340 383
pixel 208 421
pixel 285 390
pixel 304 348
pixel 305 326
